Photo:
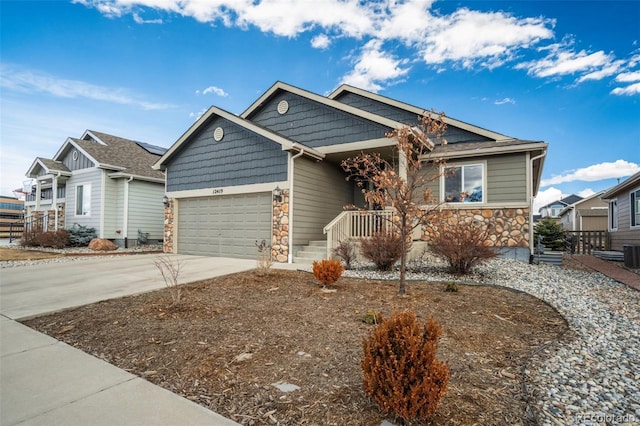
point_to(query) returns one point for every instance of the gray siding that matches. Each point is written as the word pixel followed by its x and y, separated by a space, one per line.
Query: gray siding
pixel 507 178
pixel 146 212
pixel 452 134
pixel 315 124
pixel 240 158
pixel 82 162
pixel 505 175
pixel 320 192
pixel 112 187
pixel 625 233
pixel 94 178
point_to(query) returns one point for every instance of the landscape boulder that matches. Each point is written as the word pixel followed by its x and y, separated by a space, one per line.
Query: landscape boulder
pixel 100 244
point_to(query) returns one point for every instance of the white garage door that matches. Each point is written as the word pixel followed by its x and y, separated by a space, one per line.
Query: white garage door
pixel 225 225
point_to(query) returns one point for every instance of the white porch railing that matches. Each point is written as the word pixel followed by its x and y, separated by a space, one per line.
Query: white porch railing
pixel 353 224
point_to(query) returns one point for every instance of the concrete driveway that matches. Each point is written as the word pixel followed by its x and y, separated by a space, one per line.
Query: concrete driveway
pixel 28 291
pixel 47 382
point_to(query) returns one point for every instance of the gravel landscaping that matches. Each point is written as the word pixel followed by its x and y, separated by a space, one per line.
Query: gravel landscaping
pixel 591 375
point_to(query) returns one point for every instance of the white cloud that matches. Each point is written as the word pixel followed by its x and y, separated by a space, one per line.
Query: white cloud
pixel 596 172
pixel 505 101
pixel 215 90
pixel 605 71
pixel 28 81
pixel 321 41
pixel 468 37
pixel 545 197
pixel 587 192
pixel 464 38
pixel 138 20
pixel 561 60
pixel 633 89
pixel 373 67
pixel 628 77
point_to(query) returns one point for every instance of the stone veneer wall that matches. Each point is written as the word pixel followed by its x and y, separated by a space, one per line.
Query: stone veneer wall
pixel 280 240
pixel 508 227
pixel 167 245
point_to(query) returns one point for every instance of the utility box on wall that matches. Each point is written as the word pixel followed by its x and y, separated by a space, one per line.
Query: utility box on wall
pixel 631 256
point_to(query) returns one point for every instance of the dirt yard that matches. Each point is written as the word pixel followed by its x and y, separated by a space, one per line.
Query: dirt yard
pixel 233 337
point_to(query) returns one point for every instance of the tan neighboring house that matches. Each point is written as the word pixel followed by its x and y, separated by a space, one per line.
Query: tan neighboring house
pixel 101 181
pixel 587 214
pixel 624 213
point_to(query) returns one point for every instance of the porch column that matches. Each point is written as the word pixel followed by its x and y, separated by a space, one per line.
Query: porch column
pixel 402 165
pixel 38 194
pixel 54 201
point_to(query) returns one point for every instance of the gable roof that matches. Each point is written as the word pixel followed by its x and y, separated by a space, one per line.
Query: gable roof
pixel 345 88
pixel 49 166
pixel 124 156
pixel 576 204
pixel 286 143
pixel 622 186
pixel 570 199
pixel 279 85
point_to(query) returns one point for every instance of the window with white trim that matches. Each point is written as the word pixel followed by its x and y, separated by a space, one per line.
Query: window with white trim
pixel 613 215
pixel 463 183
pixel 83 200
pixel 635 208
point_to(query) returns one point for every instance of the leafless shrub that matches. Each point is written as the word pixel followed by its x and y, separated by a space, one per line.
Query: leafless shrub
pixel 346 250
pixel 462 245
pixel 170 270
pixel 264 258
pixel 384 249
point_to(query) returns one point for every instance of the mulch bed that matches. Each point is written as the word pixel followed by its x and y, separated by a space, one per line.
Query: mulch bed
pixel 233 337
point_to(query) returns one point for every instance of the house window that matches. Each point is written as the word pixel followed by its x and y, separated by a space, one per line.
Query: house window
pixel 83 200
pixel 613 215
pixel 556 209
pixel 463 183
pixel 635 207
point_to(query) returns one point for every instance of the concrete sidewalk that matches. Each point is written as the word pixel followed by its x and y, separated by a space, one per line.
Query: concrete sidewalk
pixel 47 382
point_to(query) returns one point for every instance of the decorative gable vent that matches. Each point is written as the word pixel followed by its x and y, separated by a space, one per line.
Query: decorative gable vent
pixel 218 134
pixel 283 107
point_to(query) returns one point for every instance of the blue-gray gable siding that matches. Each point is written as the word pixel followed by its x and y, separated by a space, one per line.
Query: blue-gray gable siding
pixel 81 161
pixel 315 124
pixel 452 134
pixel 240 158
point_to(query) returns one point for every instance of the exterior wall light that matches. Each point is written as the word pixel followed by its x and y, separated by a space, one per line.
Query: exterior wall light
pixel 165 201
pixel 277 194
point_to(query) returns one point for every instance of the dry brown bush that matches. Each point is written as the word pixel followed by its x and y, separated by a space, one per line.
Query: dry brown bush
pixel 401 371
pixel 327 271
pixel 463 245
pixel 383 249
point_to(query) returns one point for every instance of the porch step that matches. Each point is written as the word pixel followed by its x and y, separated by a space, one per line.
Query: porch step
pixel 316 250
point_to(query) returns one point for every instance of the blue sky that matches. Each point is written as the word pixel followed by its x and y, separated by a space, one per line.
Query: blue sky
pixel 564 72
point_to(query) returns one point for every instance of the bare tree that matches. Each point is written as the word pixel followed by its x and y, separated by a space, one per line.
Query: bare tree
pixel 402 182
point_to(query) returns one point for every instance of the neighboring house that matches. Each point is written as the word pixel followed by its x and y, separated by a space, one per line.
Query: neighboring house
pixel 554 208
pixel 101 181
pixel 273 173
pixel 11 212
pixel 624 212
pixel 587 214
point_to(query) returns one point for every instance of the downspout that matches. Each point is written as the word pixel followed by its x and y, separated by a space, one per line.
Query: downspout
pixel 532 243
pixel 299 154
pixel 125 212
